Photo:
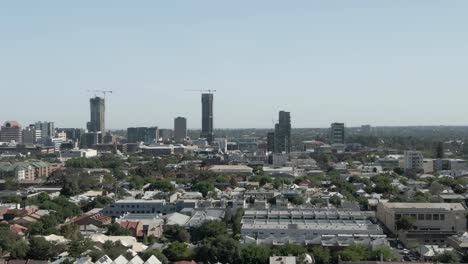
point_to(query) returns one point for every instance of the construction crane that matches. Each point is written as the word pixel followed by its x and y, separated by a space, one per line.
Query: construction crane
pixel 202 91
pixel 104 92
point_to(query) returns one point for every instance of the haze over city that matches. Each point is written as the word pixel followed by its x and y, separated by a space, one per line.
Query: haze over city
pixel 367 62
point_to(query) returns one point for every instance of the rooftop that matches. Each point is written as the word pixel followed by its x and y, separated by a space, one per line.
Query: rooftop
pixel 443 206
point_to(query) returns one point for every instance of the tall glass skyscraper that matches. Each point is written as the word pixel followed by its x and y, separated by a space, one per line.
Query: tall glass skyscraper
pixel 98 109
pixel 282 140
pixel 207 117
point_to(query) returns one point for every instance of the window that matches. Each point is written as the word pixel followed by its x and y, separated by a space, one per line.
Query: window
pixel 435 217
pixel 413 216
pixel 442 217
pixel 420 217
pixel 428 217
pixel 397 216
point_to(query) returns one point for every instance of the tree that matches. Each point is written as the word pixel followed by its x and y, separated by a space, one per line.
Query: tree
pixel 98 202
pixel 321 255
pixel 387 253
pixel 71 232
pixel 178 252
pixel 114 249
pixel 115 229
pixel 209 229
pixel 145 255
pixel 297 200
pixel 42 197
pixel 12 243
pixel 70 188
pixel 253 254
pixel 355 252
pixel 219 249
pixel 204 187
pixel 78 246
pixel 289 249
pixel 41 249
pixel 448 257
pixel 335 200
pixel 405 223
pixel 237 222
pixel 176 233
pixel 19 249
pixel 163 185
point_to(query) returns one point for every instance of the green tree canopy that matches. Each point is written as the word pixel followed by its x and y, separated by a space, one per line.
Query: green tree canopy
pixel 178 252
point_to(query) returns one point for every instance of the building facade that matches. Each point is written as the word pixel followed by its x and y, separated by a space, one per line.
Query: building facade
pixel 282 133
pixel 433 222
pixel 207 117
pixel 337 133
pixel 180 129
pixel 147 135
pixel 11 131
pixel 98 109
pixel 47 130
pixel 414 160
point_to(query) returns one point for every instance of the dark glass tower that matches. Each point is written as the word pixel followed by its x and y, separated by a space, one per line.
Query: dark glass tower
pixel 282 140
pixel 98 109
pixel 207 117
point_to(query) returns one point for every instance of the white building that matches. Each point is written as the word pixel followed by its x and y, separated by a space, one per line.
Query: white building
pixel 414 160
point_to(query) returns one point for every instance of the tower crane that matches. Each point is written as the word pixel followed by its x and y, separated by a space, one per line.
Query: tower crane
pixel 104 92
pixel 201 91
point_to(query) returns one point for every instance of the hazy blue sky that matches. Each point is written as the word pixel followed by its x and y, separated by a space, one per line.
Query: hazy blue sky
pixel 377 62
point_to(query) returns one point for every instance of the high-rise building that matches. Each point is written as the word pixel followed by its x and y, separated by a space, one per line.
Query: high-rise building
pixel 47 130
pixel 271 141
pixel 147 135
pixel 11 131
pixel 337 133
pixel 180 129
pixel 165 135
pixel 28 135
pixel 283 133
pixel 207 117
pixel 98 109
pixel 73 134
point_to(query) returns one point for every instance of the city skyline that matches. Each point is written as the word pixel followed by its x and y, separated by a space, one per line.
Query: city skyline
pixel 324 62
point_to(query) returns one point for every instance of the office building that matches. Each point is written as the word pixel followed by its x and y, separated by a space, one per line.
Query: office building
pixel 337 133
pixel 98 108
pixel 282 140
pixel 47 130
pixel 414 160
pixel 180 129
pixel 73 134
pixel 92 138
pixel 147 135
pixel 11 131
pixel 271 141
pixel 28 135
pixel 165 135
pixel 207 117
pixel 433 222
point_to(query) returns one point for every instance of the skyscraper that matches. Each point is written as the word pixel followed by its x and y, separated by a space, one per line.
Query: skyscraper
pixel 98 108
pixel 283 133
pixel 337 133
pixel 207 117
pixel 271 141
pixel 180 129
pixel 47 130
